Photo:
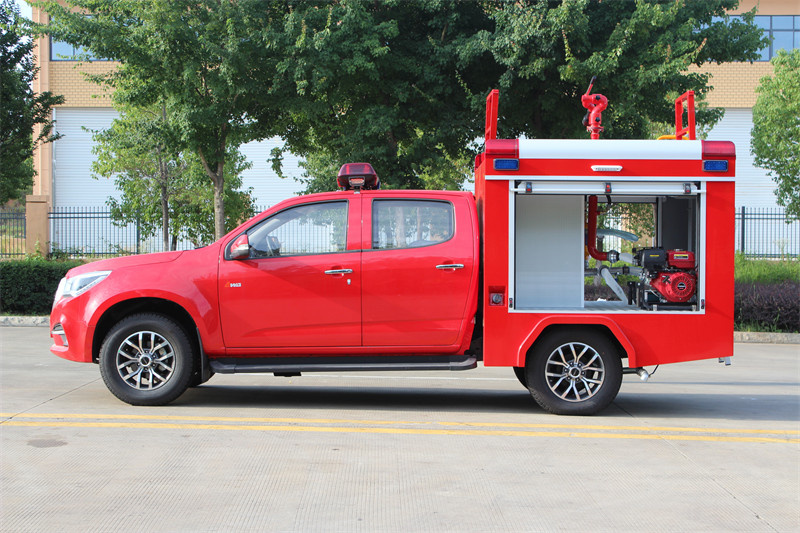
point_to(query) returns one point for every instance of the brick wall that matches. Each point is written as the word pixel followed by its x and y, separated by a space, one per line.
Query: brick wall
pixel 769 7
pixel 68 78
pixel 735 83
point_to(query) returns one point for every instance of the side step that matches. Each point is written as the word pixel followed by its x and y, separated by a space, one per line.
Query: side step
pixel 285 366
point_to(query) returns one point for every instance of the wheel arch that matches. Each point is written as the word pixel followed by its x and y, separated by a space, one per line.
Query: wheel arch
pixel 602 325
pixel 121 310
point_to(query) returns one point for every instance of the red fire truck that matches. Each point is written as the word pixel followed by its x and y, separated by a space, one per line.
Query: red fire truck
pixel 369 279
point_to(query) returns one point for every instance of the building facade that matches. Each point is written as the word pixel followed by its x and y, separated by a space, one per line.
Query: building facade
pixel 63 167
pixel 735 90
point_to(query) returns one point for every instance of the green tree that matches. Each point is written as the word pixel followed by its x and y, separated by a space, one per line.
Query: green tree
pixel 142 152
pixel 776 128
pixel 208 61
pixel 402 83
pixel 193 213
pixel 20 108
pixel 388 83
pixel 641 51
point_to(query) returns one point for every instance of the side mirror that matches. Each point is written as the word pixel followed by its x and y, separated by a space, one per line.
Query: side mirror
pixel 240 249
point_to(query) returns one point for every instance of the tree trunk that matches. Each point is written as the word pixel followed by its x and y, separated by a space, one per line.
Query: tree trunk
pixel 164 216
pixel 162 168
pixel 218 179
pixel 219 205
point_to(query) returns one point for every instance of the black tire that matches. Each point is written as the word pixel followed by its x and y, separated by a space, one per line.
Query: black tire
pixel 521 374
pixel 574 372
pixel 136 373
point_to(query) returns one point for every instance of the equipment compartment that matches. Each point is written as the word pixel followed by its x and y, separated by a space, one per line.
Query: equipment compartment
pixel 552 253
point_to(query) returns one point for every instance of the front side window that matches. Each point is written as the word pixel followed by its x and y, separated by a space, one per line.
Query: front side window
pixel 410 223
pixel 303 230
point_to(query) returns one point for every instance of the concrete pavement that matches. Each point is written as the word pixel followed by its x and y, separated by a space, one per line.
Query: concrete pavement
pixel 700 447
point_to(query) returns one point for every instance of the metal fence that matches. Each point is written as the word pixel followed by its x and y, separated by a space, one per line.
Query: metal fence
pixel 763 233
pixel 12 231
pixel 89 231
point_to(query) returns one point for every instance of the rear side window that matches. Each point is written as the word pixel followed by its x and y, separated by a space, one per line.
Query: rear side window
pixel 303 230
pixel 410 223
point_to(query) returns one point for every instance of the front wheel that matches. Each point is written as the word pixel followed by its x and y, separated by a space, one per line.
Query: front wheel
pixel 146 359
pixel 574 372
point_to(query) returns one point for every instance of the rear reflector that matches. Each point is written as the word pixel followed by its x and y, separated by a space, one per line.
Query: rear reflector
pixel 715 165
pixel 506 164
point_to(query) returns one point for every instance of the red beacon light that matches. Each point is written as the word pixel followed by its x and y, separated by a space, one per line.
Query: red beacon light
pixel 357 176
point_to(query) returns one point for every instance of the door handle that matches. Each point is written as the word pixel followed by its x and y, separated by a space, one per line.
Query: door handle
pixel 339 271
pixel 449 266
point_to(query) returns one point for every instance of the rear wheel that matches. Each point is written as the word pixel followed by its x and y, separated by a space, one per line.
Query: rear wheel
pixel 146 359
pixel 574 372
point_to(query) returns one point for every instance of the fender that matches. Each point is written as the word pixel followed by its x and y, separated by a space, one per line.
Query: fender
pixel 204 319
pixel 175 283
pixel 577 320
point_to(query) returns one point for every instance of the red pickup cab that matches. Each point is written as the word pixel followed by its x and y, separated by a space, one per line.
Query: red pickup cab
pixel 350 280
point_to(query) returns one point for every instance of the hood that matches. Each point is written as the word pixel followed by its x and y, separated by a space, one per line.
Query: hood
pixel 126 261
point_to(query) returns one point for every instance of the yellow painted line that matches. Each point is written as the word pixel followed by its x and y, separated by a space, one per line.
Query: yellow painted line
pixel 636 428
pixel 396 431
pixel 395 422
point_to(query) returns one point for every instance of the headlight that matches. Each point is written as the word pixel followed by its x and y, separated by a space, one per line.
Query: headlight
pixel 79 284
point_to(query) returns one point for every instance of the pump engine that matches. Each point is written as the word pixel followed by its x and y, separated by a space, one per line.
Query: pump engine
pixel 668 278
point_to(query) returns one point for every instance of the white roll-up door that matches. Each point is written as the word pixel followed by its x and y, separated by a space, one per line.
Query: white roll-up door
pixel 73 185
pixel 268 188
pixel 754 187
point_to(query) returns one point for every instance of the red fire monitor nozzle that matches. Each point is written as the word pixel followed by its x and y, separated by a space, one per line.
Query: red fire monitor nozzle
pixel 595 104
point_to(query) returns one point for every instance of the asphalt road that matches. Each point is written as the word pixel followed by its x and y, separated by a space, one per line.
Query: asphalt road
pixel 701 447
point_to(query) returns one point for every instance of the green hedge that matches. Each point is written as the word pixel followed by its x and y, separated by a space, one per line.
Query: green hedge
pixel 767 306
pixel 27 287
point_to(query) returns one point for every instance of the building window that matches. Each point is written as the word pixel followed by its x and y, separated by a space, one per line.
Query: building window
pixel 783 32
pixel 61 51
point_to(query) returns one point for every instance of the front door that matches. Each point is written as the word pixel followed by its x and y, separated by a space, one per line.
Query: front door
pixel 300 287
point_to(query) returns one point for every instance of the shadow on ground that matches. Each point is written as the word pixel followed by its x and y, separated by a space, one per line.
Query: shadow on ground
pixel 766 407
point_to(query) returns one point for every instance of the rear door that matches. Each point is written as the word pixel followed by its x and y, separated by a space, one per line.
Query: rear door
pixel 417 271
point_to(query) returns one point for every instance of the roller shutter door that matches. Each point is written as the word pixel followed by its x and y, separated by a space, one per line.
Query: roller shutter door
pixel 754 187
pixel 268 188
pixel 73 185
